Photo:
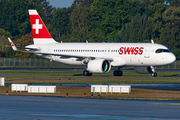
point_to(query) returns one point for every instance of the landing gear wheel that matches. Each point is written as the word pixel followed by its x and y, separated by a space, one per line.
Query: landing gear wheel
pixel 90 74
pixel 86 73
pixel 118 73
pixel 154 74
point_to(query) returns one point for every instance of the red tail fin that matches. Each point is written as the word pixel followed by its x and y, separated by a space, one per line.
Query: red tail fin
pixel 40 33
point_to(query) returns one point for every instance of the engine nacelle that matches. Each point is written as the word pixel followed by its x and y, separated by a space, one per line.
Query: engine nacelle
pixel 99 66
pixel 143 70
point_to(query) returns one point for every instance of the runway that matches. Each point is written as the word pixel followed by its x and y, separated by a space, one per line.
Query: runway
pixel 18 107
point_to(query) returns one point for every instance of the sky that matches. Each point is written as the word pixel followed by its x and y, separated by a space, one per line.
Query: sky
pixel 60 3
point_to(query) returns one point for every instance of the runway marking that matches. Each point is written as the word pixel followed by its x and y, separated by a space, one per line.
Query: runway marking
pixel 165 103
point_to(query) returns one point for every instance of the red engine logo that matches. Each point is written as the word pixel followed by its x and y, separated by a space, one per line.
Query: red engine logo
pixel 131 50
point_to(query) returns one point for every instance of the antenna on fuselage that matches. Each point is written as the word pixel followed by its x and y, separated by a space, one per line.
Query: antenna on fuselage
pixel 152 41
pixel 86 41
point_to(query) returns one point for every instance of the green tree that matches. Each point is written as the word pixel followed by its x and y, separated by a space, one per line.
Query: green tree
pixel 3 41
pixel 80 20
pixel 170 37
pixel 24 41
pixel 5 33
pixel 171 15
pixel 48 11
pixel 61 22
pixel 14 15
pixel 175 3
pixel 138 30
pixel 112 15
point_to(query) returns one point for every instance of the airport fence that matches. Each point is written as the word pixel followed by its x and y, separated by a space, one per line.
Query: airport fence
pixel 33 63
pixel 44 63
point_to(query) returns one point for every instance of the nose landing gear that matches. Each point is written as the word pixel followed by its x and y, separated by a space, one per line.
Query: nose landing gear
pixel 154 74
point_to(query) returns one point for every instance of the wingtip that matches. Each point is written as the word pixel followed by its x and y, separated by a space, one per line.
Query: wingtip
pixel 9 39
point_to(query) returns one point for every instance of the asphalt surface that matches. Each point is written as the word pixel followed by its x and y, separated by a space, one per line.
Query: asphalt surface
pixel 20 108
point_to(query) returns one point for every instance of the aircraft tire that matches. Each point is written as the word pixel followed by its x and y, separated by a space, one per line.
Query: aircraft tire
pixel 118 73
pixel 86 73
pixel 154 74
pixel 90 74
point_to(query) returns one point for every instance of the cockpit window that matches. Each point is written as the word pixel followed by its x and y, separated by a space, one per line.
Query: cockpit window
pixel 162 50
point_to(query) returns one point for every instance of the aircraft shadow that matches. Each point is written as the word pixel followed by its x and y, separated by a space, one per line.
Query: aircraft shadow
pixel 174 75
pixel 78 75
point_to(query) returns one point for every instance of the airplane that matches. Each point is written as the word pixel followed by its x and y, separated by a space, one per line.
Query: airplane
pixel 97 57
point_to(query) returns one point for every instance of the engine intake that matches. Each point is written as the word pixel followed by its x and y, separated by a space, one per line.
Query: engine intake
pixel 99 66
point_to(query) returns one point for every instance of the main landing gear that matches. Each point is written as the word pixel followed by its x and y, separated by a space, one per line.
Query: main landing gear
pixel 87 73
pixel 118 72
pixel 154 74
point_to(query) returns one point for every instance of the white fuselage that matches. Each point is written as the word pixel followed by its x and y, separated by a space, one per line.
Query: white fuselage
pixel 122 54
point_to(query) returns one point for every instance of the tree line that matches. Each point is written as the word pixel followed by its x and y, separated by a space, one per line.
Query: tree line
pixel 95 21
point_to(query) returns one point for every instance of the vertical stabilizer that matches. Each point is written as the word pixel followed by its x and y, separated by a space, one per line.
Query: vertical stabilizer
pixel 40 33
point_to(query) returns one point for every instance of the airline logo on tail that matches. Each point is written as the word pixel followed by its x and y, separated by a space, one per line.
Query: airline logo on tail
pixel 37 26
pixel 40 33
pixel 39 30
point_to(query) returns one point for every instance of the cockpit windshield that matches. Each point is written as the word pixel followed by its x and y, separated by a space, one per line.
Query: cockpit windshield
pixel 162 50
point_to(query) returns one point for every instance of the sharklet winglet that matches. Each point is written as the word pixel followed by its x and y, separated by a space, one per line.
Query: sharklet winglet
pixel 12 45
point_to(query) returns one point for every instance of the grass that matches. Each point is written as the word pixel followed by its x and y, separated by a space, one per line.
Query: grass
pixel 79 73
pixel 89 80
pixel 71 77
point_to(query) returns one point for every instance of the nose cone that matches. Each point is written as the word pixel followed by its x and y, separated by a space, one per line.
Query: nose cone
pixel 171 58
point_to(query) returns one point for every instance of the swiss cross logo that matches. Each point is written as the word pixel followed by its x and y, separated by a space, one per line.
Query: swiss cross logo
pixel 37 26
pixel 39 30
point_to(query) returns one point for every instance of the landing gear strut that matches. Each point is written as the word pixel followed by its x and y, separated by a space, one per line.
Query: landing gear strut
pixel 154 74
pixel 87 73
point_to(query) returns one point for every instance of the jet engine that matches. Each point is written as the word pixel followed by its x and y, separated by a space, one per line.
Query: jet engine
pixel 99 66
pixel 143 70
